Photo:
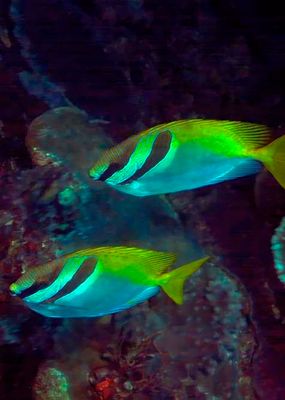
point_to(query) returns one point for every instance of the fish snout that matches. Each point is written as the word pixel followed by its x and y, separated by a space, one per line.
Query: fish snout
pixel 94 174
pixel 103 173
pixel 22 285
pixel 97 171
pixel 13 289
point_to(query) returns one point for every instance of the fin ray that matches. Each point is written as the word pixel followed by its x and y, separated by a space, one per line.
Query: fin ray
pixel 250 134
pixel 151 261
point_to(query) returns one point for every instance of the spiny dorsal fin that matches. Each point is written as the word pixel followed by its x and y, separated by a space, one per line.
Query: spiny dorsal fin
pixel 254 135
pixel 152 261
pixel 250 134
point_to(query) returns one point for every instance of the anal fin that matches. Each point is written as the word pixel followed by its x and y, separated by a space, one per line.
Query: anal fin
pixel 244 168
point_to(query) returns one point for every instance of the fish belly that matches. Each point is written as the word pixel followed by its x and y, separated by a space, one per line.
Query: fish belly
pixel 189 170
pixel 107 295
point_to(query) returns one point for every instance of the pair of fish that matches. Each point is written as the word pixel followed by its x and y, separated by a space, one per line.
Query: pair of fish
pixel 167 158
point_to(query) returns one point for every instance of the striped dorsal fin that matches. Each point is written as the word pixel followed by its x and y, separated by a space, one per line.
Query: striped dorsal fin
pixel 151 261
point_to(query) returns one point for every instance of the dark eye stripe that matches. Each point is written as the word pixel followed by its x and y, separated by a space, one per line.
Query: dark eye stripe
pixel 159 150
pixel 55 268
pixel 122 162
pixel 33 289
pixel 85 270
pixel 114 167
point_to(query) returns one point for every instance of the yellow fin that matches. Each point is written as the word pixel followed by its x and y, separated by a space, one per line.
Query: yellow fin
pixel 174 284
pixel 273 157
pixel 152 262
pixel 249 134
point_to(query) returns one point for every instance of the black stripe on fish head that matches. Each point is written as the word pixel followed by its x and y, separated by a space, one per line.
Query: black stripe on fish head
pixel 33 289
pixel 160 148
pixel 84 271
pixel 112 168
pixel 119 161
pixel 37 278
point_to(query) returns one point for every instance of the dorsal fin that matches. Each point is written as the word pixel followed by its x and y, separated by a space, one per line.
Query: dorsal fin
pixel 250 134
pixel 253 135
pixel 151 261
pixel 247 133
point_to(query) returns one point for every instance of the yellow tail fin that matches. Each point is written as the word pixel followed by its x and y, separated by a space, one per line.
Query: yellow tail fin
pixel 273 157
pixel 173 282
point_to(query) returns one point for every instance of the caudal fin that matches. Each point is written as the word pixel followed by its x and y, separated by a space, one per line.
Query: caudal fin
pixel 174 281
pixel 273 157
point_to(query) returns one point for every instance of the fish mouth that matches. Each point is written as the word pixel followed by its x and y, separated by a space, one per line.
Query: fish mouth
pixel 17 290
pixel 97 171
pixel 93 174
pixel 14 290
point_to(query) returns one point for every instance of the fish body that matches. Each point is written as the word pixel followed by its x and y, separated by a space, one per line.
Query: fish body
pixel 100 281
pixel 188 154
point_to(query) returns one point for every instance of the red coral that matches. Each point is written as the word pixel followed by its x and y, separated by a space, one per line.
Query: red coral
pixel 105 389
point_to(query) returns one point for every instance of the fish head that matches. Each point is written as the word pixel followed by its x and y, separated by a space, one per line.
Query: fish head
pixel 115 161
pixel 102 171
pixel 124 165
pixel 25 282
pixel 34 279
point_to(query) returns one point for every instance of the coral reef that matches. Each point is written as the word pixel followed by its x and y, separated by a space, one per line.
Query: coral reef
pixel 155 349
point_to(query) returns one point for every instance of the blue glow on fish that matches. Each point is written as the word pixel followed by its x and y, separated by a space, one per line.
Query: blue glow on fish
pixel 201 153
pixel 68 271
pixel 84 286
pixel 103 280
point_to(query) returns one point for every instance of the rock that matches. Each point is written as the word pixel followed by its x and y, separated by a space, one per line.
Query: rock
pixel 51 384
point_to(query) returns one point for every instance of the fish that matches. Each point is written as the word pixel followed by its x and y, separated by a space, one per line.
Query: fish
pixel 100 281
pixel 188 154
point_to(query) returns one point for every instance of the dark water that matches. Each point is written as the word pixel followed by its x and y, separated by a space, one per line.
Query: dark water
pixel 93 73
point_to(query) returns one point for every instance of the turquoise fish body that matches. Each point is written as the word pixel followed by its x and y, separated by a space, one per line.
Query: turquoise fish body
pixel 188 169
pixel 100 281
pixel 181 155
pixel 105 295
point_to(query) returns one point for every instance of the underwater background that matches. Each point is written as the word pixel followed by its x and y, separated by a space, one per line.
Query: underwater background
pixel 79 76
